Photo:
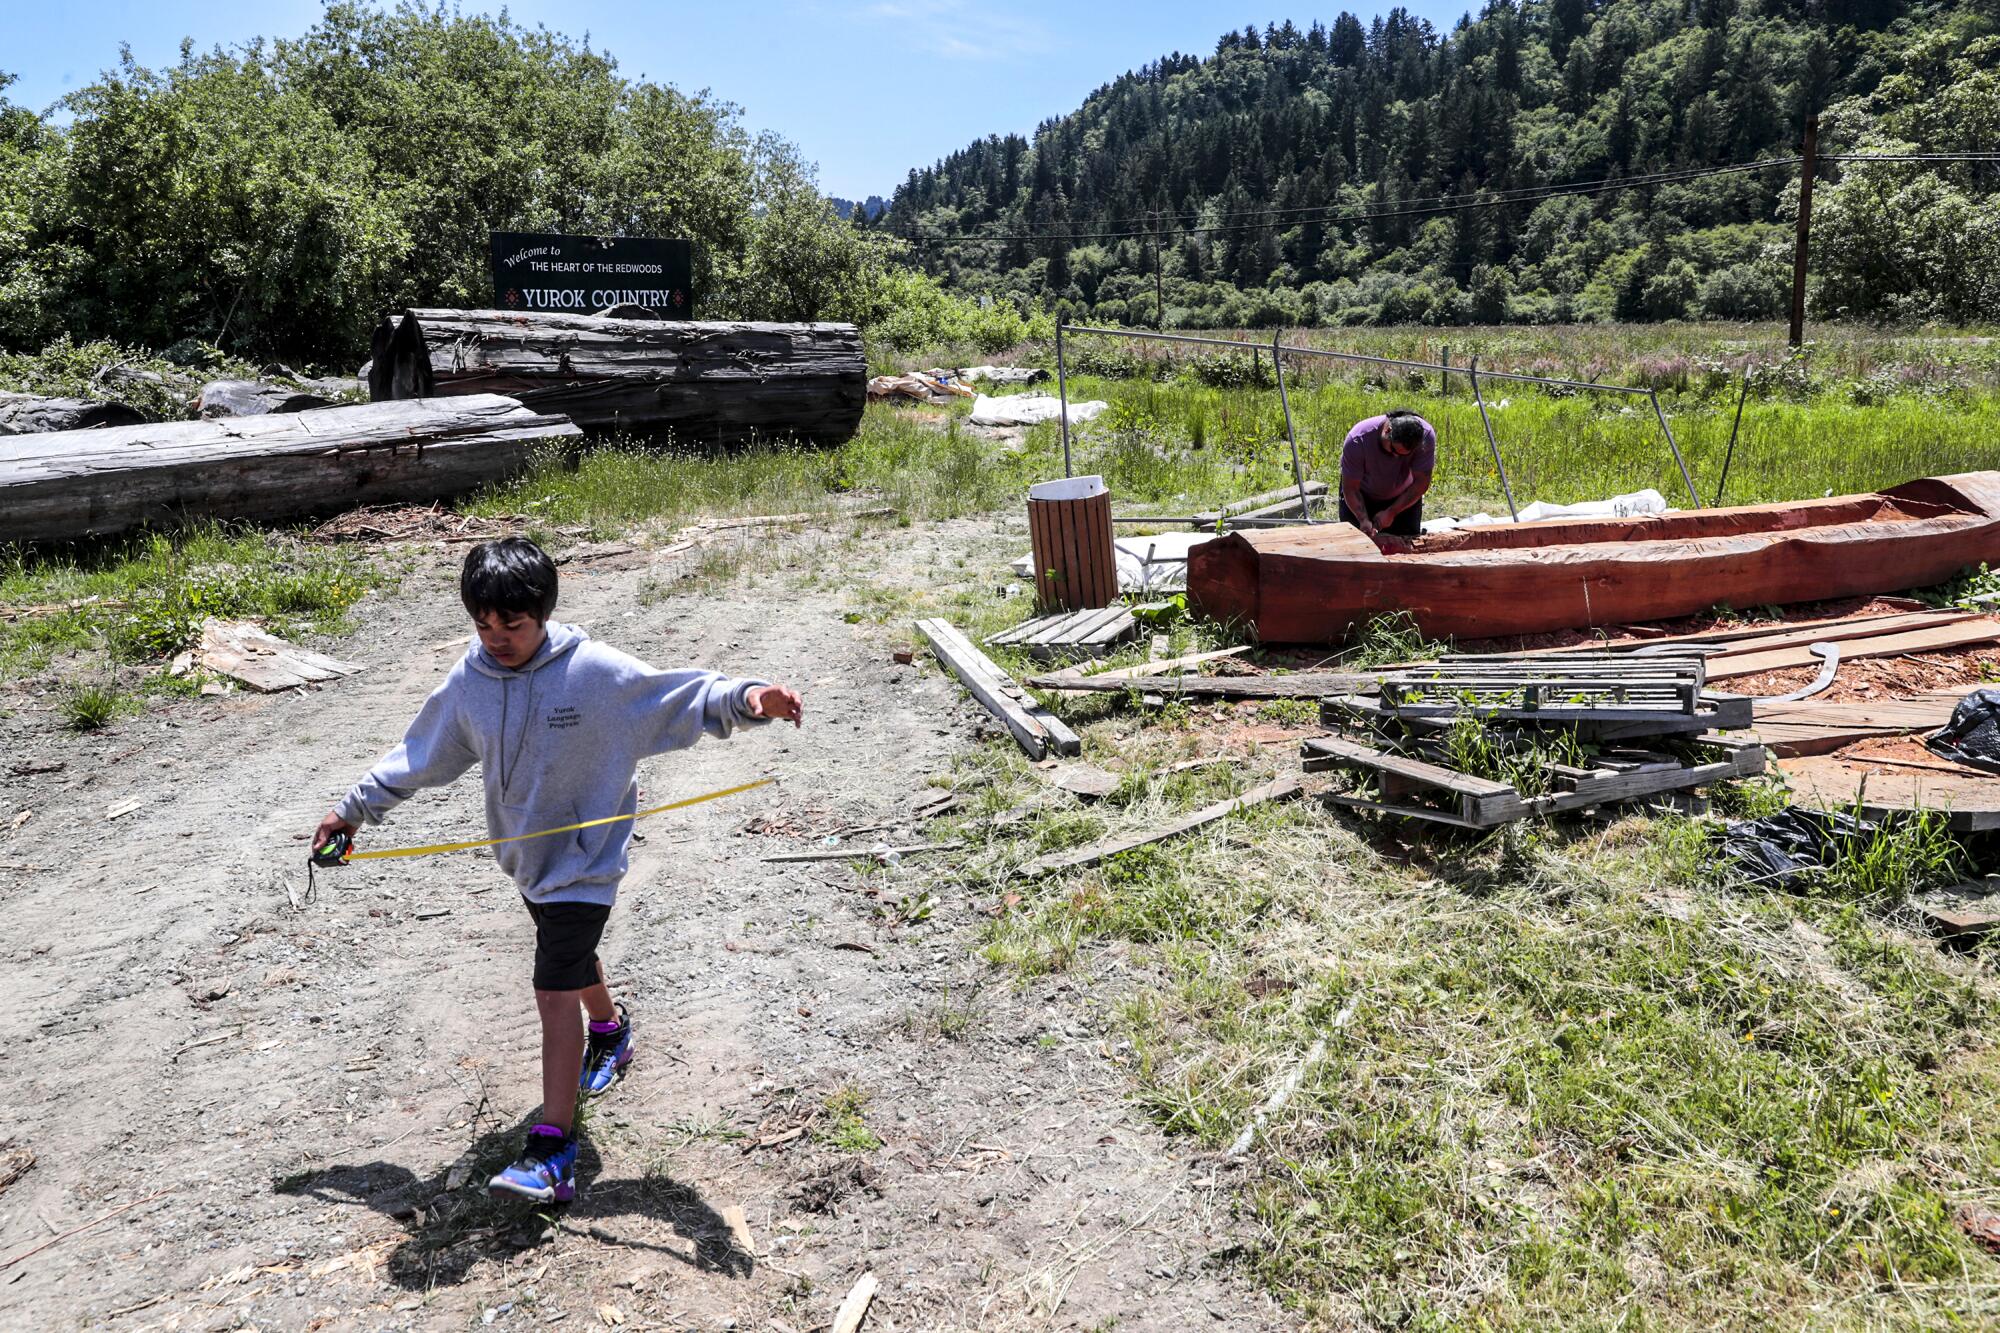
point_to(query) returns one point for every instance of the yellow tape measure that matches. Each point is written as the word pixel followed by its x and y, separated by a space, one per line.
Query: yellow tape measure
pixel 387 853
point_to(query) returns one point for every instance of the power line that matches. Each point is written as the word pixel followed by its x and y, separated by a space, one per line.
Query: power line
pixel 1426 205
pixel 1529 195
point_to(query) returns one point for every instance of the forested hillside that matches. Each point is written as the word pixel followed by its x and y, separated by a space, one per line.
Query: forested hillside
pixel 1317 175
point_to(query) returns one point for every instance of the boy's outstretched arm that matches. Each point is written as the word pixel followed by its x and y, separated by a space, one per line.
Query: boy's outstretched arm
pixel 674 709
pixel 433 752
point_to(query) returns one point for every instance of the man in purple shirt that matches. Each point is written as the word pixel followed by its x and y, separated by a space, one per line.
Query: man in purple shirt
pixel 1385 468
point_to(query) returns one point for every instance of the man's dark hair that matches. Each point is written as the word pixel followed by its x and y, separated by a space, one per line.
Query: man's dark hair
pixel 512 575
pixel 1405 428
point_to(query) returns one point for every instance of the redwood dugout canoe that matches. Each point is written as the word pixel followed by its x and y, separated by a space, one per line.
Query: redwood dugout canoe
pixel 1312 584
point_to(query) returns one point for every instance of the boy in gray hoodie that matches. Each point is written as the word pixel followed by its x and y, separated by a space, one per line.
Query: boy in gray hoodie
pixel 558 724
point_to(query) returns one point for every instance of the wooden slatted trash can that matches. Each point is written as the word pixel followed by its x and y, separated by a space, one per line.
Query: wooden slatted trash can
pixel 1069 528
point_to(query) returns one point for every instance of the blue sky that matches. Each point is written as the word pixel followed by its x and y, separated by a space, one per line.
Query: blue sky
pixel 867 89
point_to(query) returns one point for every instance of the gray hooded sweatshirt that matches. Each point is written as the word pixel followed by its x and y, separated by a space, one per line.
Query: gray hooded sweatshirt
pixel 559 742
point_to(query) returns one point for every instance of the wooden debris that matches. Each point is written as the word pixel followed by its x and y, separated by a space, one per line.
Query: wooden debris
pixel 1035 729
pixel 1281 789
pixel 1083 632
pixel 72 484
pixel 855 1308
pixel 1296 685
pixel 1954 634
pixel 1167 666
pixel 124 808
pixel 1813 726
pixel 1464 801
pixel 1968 800
pixel 265 663
pixel 867 853
pixel 99 1220
pixel 738 1223
pixel 1967 909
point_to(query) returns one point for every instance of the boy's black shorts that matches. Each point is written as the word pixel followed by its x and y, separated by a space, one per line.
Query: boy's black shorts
pixel 566 936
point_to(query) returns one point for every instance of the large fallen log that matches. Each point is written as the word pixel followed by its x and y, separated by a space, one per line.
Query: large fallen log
pixel 31 414
pixel 702 383
pixel 86 483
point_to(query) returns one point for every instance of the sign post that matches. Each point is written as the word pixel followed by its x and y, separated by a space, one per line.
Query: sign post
pixel 585 274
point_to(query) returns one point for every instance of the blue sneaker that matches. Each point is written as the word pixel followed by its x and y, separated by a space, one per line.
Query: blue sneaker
pixel 609 1051
pixel 545 1171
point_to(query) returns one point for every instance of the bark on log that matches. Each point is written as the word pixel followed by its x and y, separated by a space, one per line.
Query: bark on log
pixel 703 383
pixel 73 484
pixel 32 414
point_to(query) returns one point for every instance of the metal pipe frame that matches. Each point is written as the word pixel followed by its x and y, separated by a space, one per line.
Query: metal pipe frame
pixel 1679 462
pixel 1472 371
pixel 1284 401
pixel 1730 453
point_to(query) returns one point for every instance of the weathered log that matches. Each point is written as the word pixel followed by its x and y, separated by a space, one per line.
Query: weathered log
pixel 32 414
pixel 253 398
pixel 87 483
pixel 701 383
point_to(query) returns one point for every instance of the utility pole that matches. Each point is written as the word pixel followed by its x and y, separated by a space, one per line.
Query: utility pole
pixel 1807 167
pixel 1159 297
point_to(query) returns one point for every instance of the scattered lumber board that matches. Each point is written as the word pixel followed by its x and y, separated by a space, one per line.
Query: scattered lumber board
pixel 866 853
pixel 1956 634
pixel 1037 730
pixel 1298 685
pixel 1162 666
pixel 854 1309
pixel 1085 632
pixel 66 485
pixel 1265 505
pixel 1964 909
pixel 265 663
pixel 1282 789
pixel 704 383
pixel 1812 726
pixel 1969 801
pixel 1829 629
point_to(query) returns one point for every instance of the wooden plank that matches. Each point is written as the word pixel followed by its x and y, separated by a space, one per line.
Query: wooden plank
pixel 1168 665
pixel 66 485
pixel 1964 909
pixel 1300 685
pixel 1123 625
pixel 862 853
pixel 1969 802
pixel 1964 634
pixel 854 1309
pixel 1853 632
pixel 1034 728
pixel 241 651
pixel 1283 788
pixel 1482 802
pixel 1725 641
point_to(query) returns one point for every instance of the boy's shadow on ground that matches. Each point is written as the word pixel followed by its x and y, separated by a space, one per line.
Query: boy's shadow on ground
pixel 451 1229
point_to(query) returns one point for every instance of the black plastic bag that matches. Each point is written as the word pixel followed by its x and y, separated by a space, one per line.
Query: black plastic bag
pixel 1972 736
pixel 1790 847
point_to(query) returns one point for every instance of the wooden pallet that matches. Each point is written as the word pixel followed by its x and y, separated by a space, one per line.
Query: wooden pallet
pixel 1605 693
pixel 1417 788
pixel 1072 633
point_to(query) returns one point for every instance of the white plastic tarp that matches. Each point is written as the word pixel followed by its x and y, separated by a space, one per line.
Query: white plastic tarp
pixel 1030 409
pixel 1145 564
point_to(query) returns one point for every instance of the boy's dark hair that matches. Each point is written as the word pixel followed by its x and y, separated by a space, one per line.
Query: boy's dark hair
pixel 1405 427
pixel 511 575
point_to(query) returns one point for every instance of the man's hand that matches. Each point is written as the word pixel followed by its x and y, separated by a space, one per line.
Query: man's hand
pixel 1385 518
pixel 775 701
pixel 329 826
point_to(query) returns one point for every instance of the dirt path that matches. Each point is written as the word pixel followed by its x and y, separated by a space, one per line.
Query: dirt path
pixel 317 1095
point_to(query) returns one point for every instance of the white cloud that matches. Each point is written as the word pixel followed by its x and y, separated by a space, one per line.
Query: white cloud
pixel 958 31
